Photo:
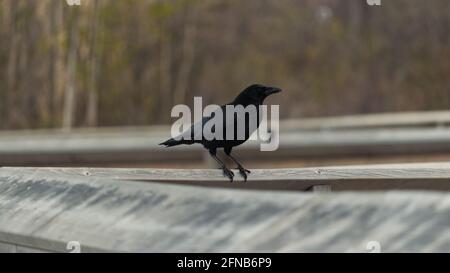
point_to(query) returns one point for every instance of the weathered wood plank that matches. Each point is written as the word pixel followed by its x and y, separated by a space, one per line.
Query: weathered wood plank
pixel 406 133
pixel 103 214
pixel 378 120
pixel 141 147
pixel 13 248
pixel 423 176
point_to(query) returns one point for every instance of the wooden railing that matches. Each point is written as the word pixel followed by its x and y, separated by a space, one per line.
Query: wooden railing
pixel 430 119
pixel 62 210
pixel 323 209
pixel 368 135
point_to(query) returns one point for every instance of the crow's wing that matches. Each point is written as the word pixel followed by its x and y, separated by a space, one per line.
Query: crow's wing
pixel 195 132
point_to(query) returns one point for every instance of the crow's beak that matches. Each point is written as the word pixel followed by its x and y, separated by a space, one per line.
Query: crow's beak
pixel 272 90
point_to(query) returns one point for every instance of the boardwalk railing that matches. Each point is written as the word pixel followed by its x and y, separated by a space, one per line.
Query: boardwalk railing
pixel 366 135
pixel 430 119
pixel 337 137
pixel 128 146
pixel 58 210
pixel 415 176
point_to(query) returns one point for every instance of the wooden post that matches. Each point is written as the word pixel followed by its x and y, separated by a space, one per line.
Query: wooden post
pixel 320 188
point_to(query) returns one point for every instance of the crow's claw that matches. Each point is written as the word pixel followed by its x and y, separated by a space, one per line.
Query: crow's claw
pixel 228 173
pixel 244 173
pixel 242 169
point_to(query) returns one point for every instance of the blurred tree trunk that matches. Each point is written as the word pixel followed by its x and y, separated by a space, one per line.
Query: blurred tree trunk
pixel 165 63
pixel 11 80
pixel 92 107
pixel 56 65
pixel 188 55
pixel 70 93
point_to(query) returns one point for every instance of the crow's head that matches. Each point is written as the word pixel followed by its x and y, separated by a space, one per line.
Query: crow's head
pixel 255 94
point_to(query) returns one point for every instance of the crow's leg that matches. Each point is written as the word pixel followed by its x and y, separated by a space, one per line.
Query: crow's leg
pixel 243 171
pixel 227 172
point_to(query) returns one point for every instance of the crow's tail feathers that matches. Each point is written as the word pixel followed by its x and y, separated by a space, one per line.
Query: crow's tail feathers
pixel 172 142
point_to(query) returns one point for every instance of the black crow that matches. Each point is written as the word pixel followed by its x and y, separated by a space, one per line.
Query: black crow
pixel 252 95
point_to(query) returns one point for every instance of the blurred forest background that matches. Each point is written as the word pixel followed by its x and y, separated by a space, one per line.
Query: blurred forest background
pixel 127 62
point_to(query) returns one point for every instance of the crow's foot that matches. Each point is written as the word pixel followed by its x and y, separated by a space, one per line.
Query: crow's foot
pixel 228 173
pixel 244 172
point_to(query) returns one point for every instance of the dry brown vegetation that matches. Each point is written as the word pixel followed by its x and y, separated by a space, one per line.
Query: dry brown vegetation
pixel 127 62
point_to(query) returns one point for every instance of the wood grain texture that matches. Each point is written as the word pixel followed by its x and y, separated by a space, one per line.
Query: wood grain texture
pixel 46 209
pixel 422 176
